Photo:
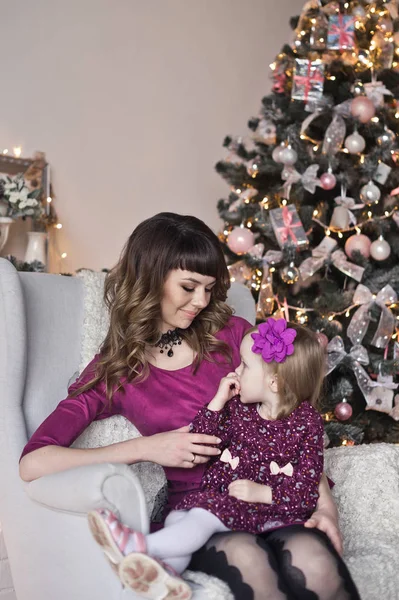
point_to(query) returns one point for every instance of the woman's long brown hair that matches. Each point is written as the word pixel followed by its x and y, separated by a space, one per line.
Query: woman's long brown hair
pixel 133 293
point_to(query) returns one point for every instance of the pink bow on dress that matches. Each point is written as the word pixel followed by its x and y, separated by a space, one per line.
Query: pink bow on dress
pixel 276 470
pixel 227 458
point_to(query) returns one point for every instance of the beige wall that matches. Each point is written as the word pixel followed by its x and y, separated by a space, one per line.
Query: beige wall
pixel 131 100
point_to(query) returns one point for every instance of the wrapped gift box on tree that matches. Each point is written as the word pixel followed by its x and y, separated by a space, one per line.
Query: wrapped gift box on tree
pixel 308 80
pixel 341 32
pixel 288 227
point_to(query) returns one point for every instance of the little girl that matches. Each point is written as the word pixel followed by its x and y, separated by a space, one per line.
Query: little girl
pixel 266 477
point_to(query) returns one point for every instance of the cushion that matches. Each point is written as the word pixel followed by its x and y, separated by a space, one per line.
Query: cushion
pixel 367 495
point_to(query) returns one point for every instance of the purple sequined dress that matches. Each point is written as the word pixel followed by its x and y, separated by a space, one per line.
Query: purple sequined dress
pixel 286 455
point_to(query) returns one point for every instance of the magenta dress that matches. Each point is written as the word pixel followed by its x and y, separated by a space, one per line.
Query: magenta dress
pixel 165 401
pixel 286 455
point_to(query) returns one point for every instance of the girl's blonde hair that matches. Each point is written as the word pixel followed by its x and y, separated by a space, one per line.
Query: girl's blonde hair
pixel 133 294
pixel 301 376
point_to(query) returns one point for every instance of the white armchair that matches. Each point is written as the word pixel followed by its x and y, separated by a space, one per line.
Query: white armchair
pixel 51 552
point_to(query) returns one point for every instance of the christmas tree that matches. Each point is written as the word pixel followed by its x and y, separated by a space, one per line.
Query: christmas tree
pixel 311 223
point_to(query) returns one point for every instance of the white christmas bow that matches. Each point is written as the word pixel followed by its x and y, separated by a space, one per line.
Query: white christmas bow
pixel 309 178
pixel 319 257
pixel 288 469
pixel 359 323
pixel 227 458
pixel 256 251
pixel 375 91
pixel 336 131
pixel 358 354
pixel 266 296
pixel 341 262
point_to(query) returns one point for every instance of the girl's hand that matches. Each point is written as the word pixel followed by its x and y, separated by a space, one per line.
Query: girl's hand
pixel 178 448
pixel 229 387
pixel 323 520
pixel 249 491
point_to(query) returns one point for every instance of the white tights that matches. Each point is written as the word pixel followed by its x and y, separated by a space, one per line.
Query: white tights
pixel 185 532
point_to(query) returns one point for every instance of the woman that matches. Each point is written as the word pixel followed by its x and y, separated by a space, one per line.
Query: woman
pixel 171 339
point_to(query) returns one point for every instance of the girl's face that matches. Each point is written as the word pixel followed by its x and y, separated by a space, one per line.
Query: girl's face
pixel 185 294
pixel 257 378
pixel 252 373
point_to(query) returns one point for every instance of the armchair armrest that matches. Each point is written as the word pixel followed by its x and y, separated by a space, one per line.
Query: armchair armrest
pixel 82 489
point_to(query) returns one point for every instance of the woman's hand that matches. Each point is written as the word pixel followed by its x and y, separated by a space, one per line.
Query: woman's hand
pixel 325 516
pixel 229 387
pixel 179 448
pixel 326 521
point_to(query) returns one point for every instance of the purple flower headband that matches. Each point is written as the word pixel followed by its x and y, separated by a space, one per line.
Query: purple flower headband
pixel 274 340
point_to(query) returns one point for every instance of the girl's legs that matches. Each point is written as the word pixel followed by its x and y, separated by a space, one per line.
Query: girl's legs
pixel 293 563
pixel 184 533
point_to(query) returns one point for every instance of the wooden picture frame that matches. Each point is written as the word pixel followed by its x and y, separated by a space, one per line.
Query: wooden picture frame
pixel 36 171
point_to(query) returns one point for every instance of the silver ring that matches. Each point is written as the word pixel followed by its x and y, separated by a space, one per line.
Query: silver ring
pixel 194 457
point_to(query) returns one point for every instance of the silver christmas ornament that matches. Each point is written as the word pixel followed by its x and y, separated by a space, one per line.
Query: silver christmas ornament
pixel 276 154
pixel 355 143
pixel 386 138
pixel 288 156
pixel 290 274
pixel 380 249
pixel 370 193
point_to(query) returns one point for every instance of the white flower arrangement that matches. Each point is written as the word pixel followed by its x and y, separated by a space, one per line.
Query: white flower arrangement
pixel 19 200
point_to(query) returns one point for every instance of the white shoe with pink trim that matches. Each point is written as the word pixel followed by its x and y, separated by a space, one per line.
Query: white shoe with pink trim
pixel 112 535
pixel 152 579
pixel 146 576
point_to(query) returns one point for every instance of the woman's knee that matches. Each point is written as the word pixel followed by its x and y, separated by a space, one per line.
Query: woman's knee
pixel 240 549
pixel 308 556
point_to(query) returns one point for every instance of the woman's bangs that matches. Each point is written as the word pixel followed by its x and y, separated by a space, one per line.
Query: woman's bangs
pixel 200 256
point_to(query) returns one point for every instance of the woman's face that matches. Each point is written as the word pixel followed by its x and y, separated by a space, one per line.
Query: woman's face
pixel 185 294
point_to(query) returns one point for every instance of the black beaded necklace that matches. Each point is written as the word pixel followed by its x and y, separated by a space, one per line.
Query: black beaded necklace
pixel 168 340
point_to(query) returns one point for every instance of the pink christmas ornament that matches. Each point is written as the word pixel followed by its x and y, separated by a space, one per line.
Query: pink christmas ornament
pixel 328 181
pixel 358 242
pixel 322 339
pixel 343 411
pixel 380 249
pixel 362 108
pixel 240 240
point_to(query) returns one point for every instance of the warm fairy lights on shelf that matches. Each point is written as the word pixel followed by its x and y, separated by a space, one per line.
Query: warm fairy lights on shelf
pixel 17 152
